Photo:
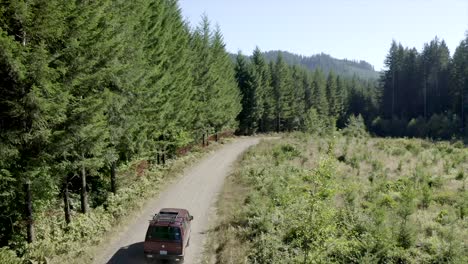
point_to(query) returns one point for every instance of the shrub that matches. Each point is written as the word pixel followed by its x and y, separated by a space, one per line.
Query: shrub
pixel 8 256
pixel 416 127
pixel 314 123
pixel 441 126
pixel 355 127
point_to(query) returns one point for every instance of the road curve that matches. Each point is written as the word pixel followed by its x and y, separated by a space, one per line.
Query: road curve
pixel 197 191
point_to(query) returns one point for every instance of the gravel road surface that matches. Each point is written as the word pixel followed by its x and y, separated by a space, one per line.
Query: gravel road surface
pixel 196 191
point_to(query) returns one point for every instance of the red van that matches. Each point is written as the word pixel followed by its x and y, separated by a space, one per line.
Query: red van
pixel 168 234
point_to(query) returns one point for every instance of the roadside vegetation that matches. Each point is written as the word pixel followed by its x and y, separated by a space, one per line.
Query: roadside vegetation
pixel 76 242
pixel 345 198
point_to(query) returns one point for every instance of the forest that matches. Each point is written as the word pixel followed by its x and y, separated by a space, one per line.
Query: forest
pixel 87 88
pixel 419 94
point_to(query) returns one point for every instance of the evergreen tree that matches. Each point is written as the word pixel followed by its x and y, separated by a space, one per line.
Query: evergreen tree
pixel 217 95
pixel 82 140
pixel 281 92
pixel 308 93
pixel 296 98
pixel 264 90
pixel 332 95
pixel 341 103
pixel 459 82
pixel 225 96
pixel 245 77
pixel 319 96
pixel 435 56
pixel 31 103
pixel 390 80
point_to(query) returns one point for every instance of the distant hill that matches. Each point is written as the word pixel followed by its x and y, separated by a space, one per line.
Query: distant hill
pixel 326 62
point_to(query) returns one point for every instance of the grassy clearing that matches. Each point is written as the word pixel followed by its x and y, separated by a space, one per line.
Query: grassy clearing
pixel 80 241
pixel 343 199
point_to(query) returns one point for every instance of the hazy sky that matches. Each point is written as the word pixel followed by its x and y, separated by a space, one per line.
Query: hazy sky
pixel 353 29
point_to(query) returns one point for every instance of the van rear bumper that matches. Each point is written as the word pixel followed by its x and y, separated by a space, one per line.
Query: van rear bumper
pixel 150 256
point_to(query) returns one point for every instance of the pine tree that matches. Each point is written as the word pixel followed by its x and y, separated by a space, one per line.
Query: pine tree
pixel 319 93
pixel 332 95
pixel 264 90
pixel 203 76
pixel 296 98
pixel 224 96
pixel 341 103
pixel 83 138
pixel 245 77
pixel 281 89
pixel 308 93
pixel 31 104
pixel 435 56
pixel 459 82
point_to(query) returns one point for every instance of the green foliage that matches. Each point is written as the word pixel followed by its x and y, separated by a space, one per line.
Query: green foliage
pixel 355 127
pixel 318 124
pixel 250 113
pixel 88 86
pixel 427 88
pixel 324 211
pixel 280 97
pixel 8 256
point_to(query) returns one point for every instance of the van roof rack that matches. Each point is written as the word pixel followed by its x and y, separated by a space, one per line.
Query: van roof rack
pixel 166 217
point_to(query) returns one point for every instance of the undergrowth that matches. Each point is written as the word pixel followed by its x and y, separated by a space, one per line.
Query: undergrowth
pixel 57 242
pixel 345 199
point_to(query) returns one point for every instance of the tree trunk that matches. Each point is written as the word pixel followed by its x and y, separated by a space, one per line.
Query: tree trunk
pixel 393 92
pixel 29 212
pixel 113 183
pixel 462 111
pixel 66 202
pixel 425 92
pixel 203 140
pixel 277 123
pixel 216 136
pixel 84 194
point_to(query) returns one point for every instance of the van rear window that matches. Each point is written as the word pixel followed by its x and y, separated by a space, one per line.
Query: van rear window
pixel 163 233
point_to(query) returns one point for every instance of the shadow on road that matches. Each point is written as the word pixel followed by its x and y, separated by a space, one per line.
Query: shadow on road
pixel 133 254
pixel 129 254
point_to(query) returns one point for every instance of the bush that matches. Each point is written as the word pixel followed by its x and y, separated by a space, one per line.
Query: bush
pixel 355 127
pixel 442 126
pixel 416 127
pixel 8 256
pixel 315 124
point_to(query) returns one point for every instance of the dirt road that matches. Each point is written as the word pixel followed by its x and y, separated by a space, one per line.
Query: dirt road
pixel 196 190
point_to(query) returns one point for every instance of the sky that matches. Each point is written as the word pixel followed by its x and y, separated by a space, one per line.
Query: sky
pixel 352 29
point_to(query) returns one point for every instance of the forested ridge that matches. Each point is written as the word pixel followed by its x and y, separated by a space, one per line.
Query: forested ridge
pixel 327 63
pixel 87 87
